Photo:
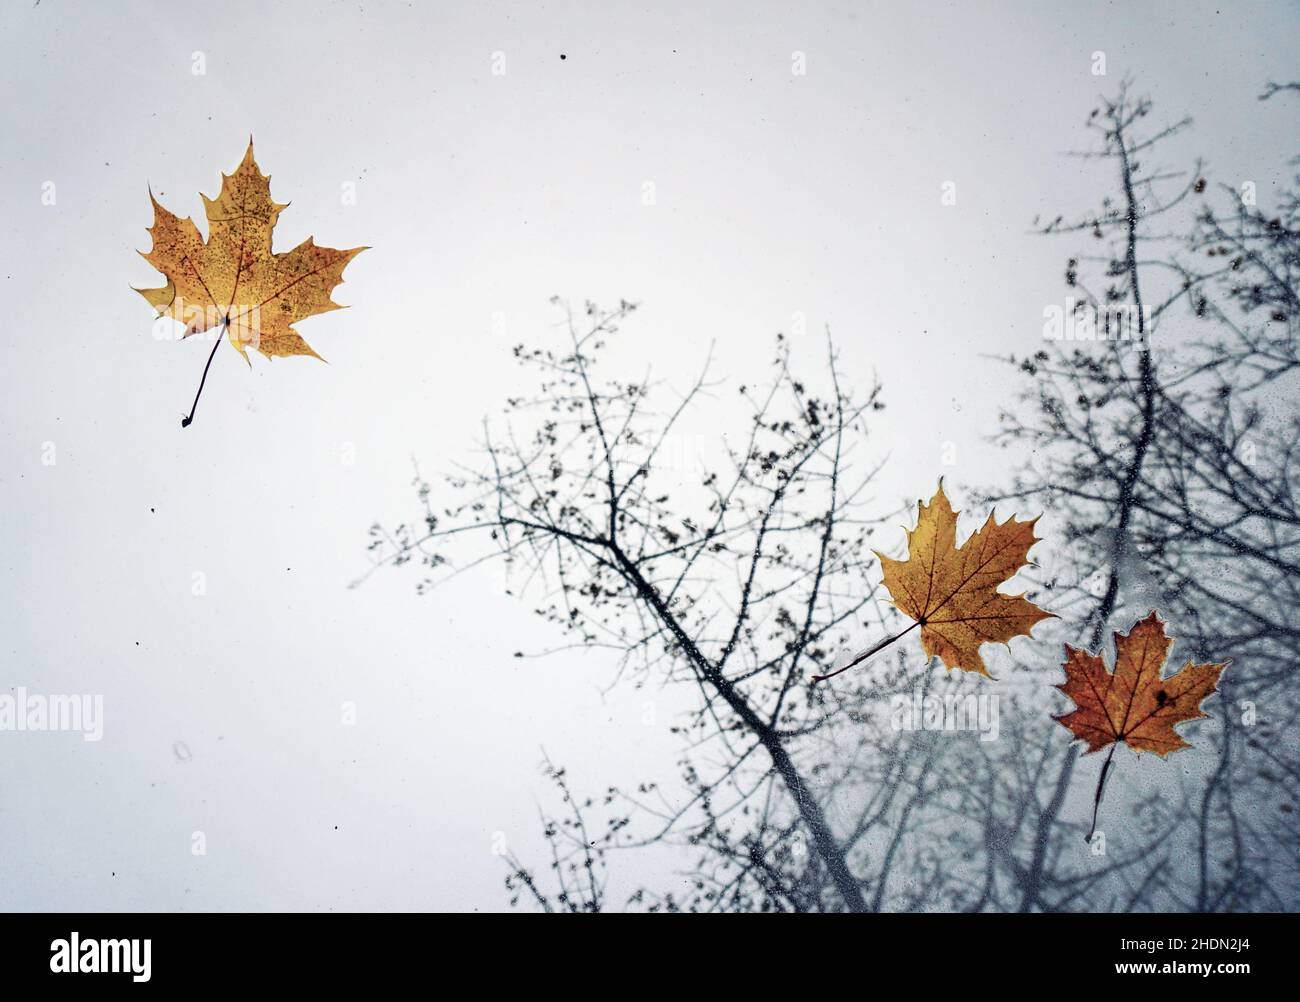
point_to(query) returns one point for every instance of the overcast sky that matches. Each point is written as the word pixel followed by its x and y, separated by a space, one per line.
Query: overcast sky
pixel 482 196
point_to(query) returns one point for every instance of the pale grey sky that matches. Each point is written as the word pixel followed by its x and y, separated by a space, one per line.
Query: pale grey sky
pixel 481 195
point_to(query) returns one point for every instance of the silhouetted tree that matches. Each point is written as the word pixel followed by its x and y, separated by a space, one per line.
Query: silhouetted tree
pixel 1172 447
pixel 1175 455
pixel 741 584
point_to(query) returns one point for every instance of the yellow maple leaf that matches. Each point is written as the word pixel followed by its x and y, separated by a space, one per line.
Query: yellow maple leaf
pixel 233 281
pixel 951 591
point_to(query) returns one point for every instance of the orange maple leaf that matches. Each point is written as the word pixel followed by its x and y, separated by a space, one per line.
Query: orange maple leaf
pixel 1133 704
pixel 951 591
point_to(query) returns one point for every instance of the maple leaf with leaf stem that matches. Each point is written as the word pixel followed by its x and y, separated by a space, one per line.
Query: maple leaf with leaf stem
pixel 233 280
pixel 952 591
pixel 1133 704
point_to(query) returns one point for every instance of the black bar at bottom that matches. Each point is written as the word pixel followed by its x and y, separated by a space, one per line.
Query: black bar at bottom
pixel 88 952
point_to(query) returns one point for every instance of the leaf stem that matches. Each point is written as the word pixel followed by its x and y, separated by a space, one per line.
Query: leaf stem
pixel 866 654
pixel 1096 800
pixel 186 421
